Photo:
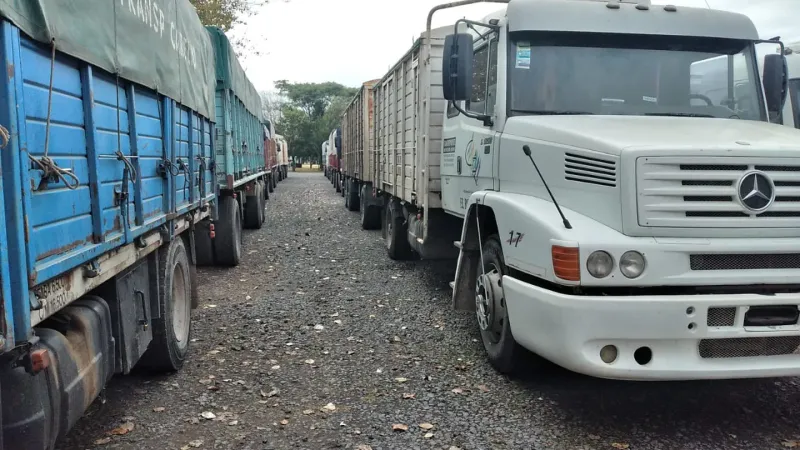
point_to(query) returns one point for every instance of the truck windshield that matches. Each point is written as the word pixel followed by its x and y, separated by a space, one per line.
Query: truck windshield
pixel 633 75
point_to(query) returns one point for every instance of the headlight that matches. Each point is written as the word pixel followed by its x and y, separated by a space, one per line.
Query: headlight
pixel 600 264
pixel 632 264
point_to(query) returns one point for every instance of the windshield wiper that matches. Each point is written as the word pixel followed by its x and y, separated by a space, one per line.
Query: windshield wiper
pixel 679 114
pixel 552 113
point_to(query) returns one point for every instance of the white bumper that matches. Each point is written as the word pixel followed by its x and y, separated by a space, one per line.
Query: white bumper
pixel 571 330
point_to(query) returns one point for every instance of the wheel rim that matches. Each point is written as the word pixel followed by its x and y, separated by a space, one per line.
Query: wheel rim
pixel 490 304
pixel 180 304
pixel 389 228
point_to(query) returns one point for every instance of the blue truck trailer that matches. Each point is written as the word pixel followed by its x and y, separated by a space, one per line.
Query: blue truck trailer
pixel 242 161
pixel 110 197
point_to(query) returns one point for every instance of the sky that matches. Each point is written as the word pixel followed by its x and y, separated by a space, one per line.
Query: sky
pixel 352 41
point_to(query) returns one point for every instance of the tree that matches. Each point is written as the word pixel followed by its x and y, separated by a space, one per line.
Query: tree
pixel 272 104
pixel 225 15
pixel 310 112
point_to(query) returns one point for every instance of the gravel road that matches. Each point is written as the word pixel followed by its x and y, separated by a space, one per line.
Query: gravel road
pixel 318 340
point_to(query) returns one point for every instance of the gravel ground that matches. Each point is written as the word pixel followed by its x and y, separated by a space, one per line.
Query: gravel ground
pixel 319 341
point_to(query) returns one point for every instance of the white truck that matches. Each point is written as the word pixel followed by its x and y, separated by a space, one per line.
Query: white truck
pixel 283 157
pixel 604 218
pixel 791 111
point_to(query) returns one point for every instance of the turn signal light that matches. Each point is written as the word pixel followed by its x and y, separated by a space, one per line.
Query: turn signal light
pixel 566 263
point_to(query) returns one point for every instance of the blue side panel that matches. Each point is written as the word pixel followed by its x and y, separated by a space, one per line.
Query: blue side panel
pixel 139 160
pixel 14 273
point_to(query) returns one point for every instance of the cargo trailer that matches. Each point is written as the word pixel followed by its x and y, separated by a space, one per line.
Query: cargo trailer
pixel 283 157
pixel 108 192
pixel 324 159
pixel 334 158
pixel 358 159
pixel 563 151
pixel 271 147
pixel 242 161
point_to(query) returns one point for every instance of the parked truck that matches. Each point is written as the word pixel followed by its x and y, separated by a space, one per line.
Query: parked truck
pixel 334 158
pixel 358 159
pixel 271 148
pixel 241 166
pixel 108 199
pixel 324 159
pixel 602 218
pixel 283 157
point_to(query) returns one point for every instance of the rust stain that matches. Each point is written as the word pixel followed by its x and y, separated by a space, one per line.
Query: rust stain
pixel 64 249
pixel 10 70
pixel 230 181
pixel 82 350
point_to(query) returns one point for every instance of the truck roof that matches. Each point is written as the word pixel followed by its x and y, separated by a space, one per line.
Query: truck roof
pixel 595 16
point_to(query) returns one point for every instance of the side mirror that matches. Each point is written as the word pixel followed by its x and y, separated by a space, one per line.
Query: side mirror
pixel 457 67
pixel 776 79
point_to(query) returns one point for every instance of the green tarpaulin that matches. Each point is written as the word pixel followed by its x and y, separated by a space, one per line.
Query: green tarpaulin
pixel 231 75
pixel 160 44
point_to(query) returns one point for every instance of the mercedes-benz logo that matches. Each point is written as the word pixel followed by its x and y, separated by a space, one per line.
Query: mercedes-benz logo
pixel 756 191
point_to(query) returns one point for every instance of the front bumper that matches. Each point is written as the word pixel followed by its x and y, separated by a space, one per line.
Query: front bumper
pixel 570 331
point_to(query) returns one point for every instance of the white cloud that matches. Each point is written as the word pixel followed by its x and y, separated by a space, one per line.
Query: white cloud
pixel 351 41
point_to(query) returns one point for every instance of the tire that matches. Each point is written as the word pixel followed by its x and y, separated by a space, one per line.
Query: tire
pixel 203 244
pixel 228 240
pixel 397 245
pixel 262 200
pixel 503 352
pixel 336 182
pixel 346 196
pixel 370 215
pixel 170 345
pixel 272 183
pixel 353 201
pixel 252 209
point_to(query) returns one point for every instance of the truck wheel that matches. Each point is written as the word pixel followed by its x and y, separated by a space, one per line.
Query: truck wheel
pixel 397 245
pixel 336 182
pixel 341 185
pixel 228 240
pixel 352 196
pixel 490 308
pixel 370 215
pixel 272 183
pixel 252 205
pixel 203 244
pixel 167 351
pixel 262 202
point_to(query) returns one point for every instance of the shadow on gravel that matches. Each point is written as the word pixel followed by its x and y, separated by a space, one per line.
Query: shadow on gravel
pixel 722 409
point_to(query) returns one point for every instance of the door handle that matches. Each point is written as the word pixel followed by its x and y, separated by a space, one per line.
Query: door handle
pixel 458 165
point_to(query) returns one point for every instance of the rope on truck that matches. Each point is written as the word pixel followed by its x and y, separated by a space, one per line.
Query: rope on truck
pixel 45 163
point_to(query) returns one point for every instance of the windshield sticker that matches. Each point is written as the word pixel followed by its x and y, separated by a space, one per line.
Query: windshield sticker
pixel 523 55
pixel 650 99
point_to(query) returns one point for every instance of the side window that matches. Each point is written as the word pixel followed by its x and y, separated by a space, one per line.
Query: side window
pixel 491 92
pixel 480 63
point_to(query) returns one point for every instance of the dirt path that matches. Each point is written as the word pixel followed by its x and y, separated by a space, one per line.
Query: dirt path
pixel 319 341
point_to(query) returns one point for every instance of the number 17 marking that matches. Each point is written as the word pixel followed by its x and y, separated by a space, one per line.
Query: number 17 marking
pixel 514 240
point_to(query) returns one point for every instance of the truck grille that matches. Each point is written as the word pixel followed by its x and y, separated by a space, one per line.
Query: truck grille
pixel 745 261
pixel 702 192
pixel 749 347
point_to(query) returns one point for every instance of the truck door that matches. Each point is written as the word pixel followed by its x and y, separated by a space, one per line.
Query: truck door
pixel 467 163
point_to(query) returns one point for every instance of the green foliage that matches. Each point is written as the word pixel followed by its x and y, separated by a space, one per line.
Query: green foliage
pixel 224 14
pixel 310 113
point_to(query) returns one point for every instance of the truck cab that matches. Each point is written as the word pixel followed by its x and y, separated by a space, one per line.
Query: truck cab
pixel 619 220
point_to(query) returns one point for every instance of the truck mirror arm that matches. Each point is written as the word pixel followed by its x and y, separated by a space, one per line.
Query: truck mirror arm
pixel 486 119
